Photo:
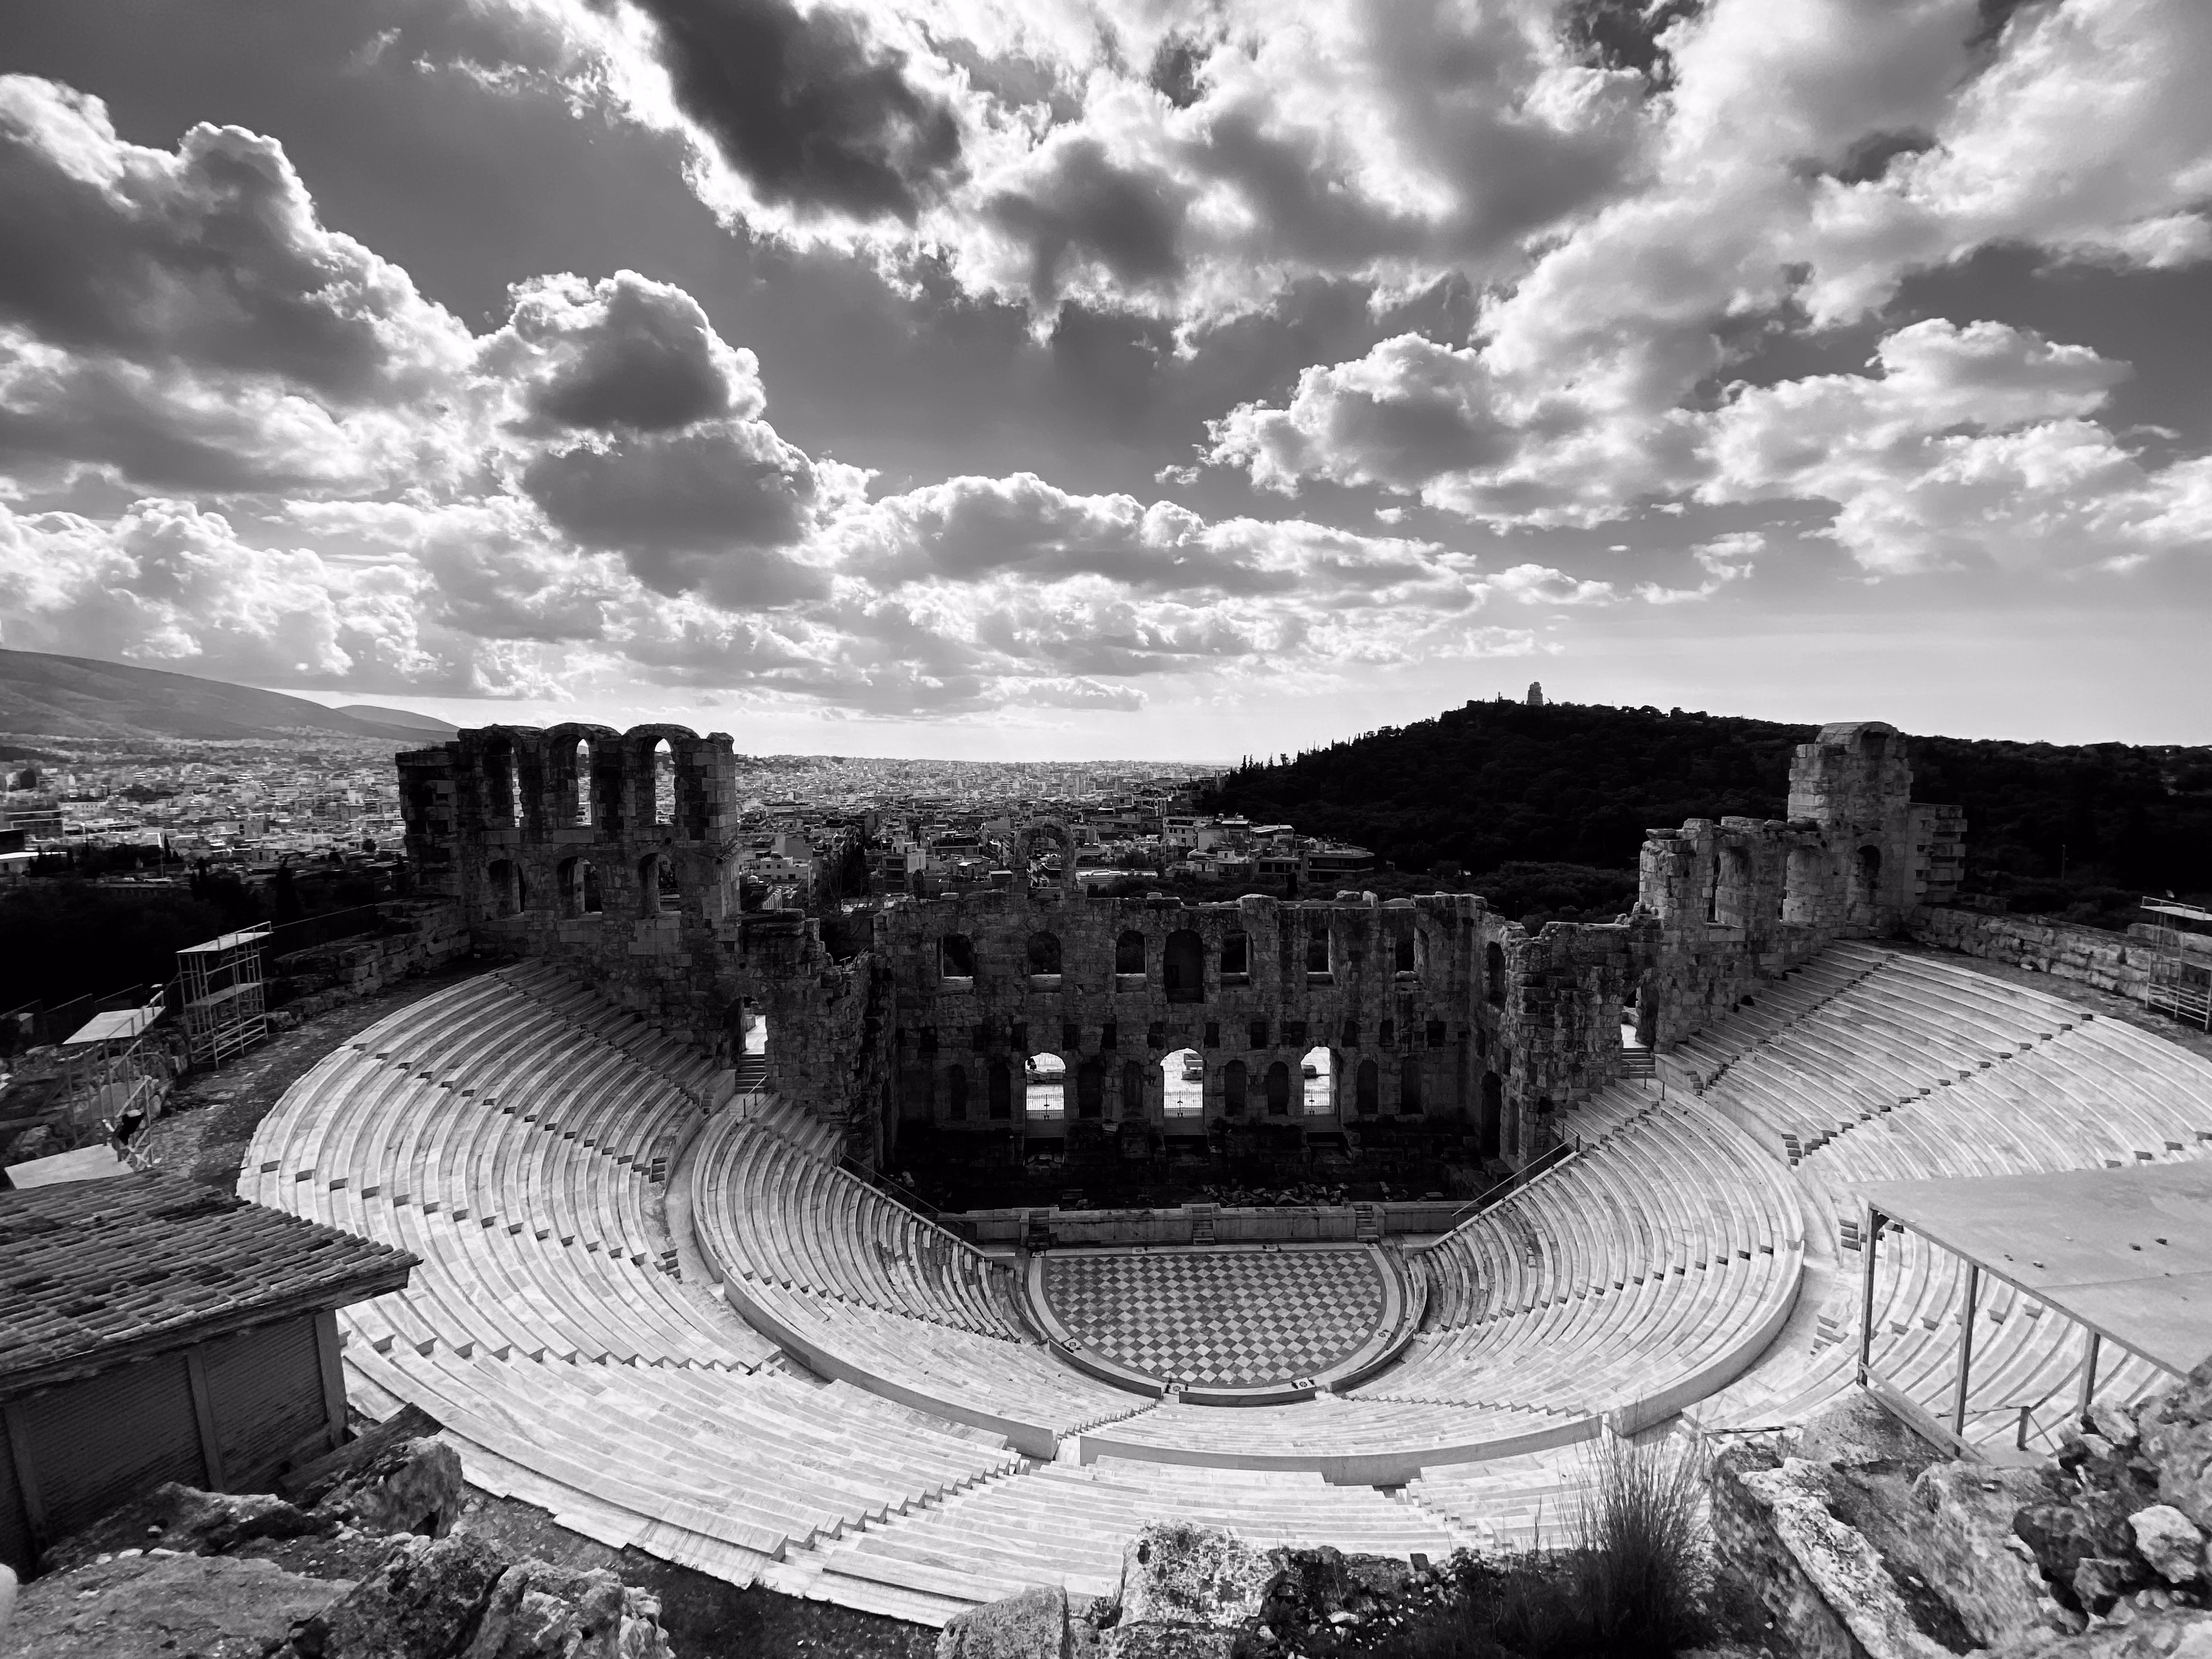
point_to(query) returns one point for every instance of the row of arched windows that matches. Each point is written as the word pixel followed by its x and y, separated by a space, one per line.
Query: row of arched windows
pixel 1731 897
pixel 578 889
pixel 1049 1091
pixel 573 780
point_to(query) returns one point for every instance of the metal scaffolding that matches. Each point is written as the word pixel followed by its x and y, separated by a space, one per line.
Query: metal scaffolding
pixel 225 1012
pixel 2181 961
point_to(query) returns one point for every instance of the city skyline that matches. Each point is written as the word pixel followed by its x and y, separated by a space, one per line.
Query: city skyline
pixel 1100 380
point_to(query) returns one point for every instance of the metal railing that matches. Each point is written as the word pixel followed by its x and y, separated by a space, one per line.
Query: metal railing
pixel 1550 1159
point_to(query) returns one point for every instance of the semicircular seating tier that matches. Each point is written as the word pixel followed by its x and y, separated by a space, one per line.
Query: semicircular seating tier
pixel 1874 1064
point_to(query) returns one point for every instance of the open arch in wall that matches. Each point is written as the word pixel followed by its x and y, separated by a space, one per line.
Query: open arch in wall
pixel 956 958
pixel 1317 944
pixel 582 772
pixel 1278 1086
pixel 1730 903
pixel 1404 957
pixel 1236 1082
pixel 503 889
pixel 1129 953
pixel 656 885
pixel 580 888
pixel 1317 1079
pixel 502 785
pixel 1182 1084
pixel 1183 967
pixel 1045 1088
pixel 1493 974
pixel 1491 1126
pixel 663 773
pixel 1044 958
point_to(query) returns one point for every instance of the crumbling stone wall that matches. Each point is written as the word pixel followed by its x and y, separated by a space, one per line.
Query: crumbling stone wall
pixel 1739 901
pixel 2117 963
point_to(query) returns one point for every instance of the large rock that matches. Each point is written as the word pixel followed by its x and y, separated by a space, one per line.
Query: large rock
pixel 424 1601
pixel 175 1517
pixel 1174 1573
pixel 2161 1633
pixel 162 1606
pixel 1960 1525
pixel 540 1611
pixel 2170 1542
pixel 2064 1532
pixel 1030 1625
pixel 2177 1437
pixel 411 1485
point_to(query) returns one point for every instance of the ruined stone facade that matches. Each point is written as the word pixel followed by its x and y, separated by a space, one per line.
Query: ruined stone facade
pixel 611 851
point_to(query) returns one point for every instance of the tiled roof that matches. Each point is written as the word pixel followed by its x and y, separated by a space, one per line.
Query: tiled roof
pixel 97 1270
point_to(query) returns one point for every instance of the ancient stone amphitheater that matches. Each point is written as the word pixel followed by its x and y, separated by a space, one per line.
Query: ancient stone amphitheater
pixel 660 1295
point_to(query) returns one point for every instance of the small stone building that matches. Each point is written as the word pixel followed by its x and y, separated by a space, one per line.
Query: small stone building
pixel 155 1329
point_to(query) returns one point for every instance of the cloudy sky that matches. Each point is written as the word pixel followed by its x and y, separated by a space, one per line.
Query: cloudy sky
pixel 1117 377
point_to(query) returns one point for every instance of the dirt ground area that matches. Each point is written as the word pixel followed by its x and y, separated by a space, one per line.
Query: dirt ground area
pixel 212 1115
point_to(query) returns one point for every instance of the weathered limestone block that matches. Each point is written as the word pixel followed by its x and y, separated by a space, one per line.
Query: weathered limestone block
pixel 2131 1633
pixel 184 1519
pixel 2170 1542
pixel 1174 1573
pixel 540 1611
pixel 1960 1523
pixel 1033 1625
pixel 2064 1532
pixel 2176 1435
pixel 162 1606
pixel 1827 1587
pixel 423 1600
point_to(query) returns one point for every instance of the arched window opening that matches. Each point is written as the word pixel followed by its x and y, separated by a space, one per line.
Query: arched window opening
pixel 1044 955
pixel 1279 1090
pixel 1091 1089
pixel 1233 1085
pixel 664 782
pixel 1317 946
pixel 580 888
pixel 1493 1114
pixel 1731 904
pixel 1236 958
pixel 502 786
pixel 503 885
pixel 1134 1107
pixel 956 1093
pixel 1493 974
pixel 1800 886
pixel 1409 1086
pixel 1369 1088
pixel 653 882
pixel 1182 1084
pixel 752 1029
pixel 583 780
pixel 1001 1089
pixel 1401 955
pixel 1183 967
pixel 1129 954
pixel 956 958
pixel 1044 1092
pixel 1317 1073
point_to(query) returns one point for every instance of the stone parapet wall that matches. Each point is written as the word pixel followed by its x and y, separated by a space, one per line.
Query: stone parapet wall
pixel 2117 963
pixel 434 936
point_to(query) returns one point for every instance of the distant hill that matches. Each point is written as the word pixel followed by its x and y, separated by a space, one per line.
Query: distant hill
pixel 2077 830
pixel 400 720
pixel 52 696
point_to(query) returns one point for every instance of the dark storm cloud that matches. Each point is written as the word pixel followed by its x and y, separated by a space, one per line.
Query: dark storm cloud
pixel 1087 207
pixel 805 107
pixel 1625 33
pixel 646 366
pixel 213 257
pixel 706 509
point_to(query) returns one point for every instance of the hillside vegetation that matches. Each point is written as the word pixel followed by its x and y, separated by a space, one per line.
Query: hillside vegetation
pixel 2078 831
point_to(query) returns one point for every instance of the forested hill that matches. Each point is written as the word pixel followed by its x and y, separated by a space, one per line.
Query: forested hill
pixel 2049 828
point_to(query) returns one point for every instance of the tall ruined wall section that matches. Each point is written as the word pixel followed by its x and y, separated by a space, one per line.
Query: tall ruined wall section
pixel 1432 1007
pixel 1741 901
pixel 571 842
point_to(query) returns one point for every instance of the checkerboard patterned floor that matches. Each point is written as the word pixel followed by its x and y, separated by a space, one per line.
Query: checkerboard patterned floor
pixel 1228 1318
